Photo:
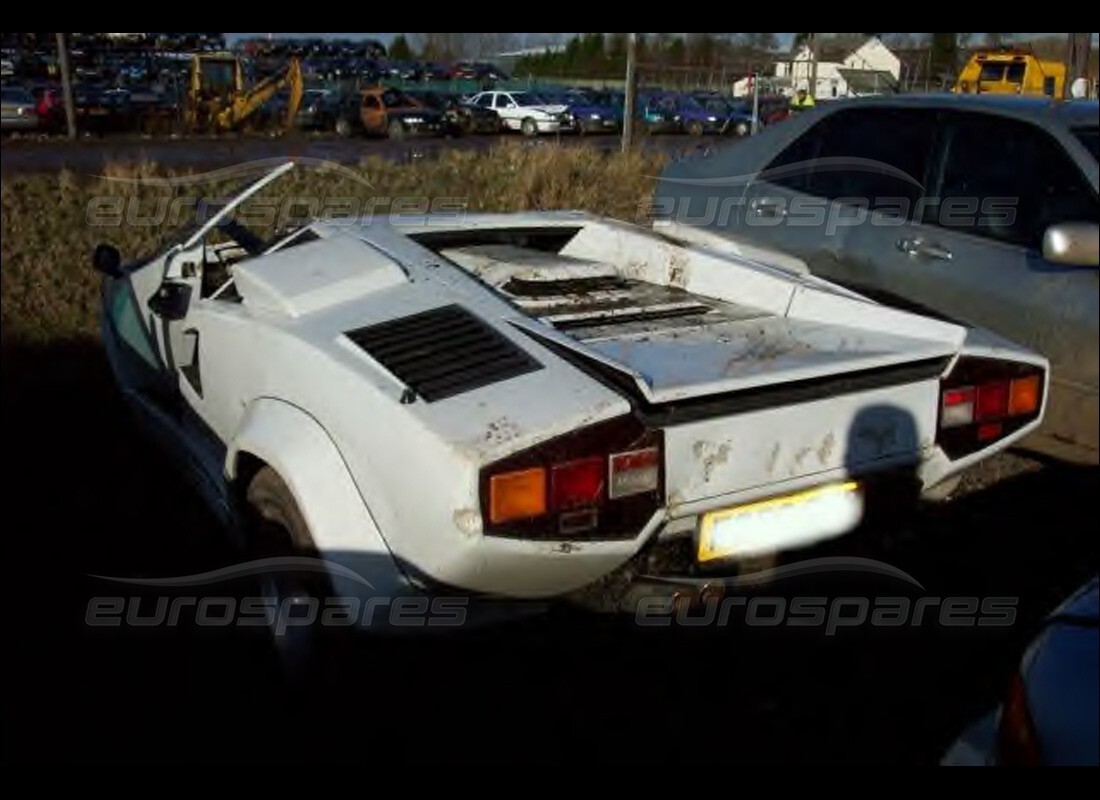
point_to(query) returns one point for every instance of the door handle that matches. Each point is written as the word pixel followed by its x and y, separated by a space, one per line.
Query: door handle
pixel 768 208
pixel 919 247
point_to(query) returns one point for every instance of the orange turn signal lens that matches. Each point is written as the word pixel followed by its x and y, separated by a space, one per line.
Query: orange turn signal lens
pixel 1023 396
pixel 517 495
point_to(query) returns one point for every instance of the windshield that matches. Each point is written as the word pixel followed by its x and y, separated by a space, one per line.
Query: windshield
pixel 1090 138
pixel 531 99
pixel 992 71
pixel 391 98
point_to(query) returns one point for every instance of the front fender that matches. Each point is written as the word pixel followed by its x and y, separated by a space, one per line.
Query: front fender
pixel 298 448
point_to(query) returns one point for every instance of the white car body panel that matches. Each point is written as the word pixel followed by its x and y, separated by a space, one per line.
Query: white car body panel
pixel 265 365
pixel 545 115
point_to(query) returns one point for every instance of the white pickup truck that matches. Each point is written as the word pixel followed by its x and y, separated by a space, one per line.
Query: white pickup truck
pixel 517 405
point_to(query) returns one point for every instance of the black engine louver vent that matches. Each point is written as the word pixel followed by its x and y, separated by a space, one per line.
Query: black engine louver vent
pixel 443 352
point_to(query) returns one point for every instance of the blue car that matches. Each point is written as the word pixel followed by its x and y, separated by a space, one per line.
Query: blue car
pixel 591 113
pixel 737 113
pixel 658 117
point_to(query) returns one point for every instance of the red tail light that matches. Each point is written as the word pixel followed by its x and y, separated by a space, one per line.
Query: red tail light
pixel 604 481
pixel 985 399
pixel 577 484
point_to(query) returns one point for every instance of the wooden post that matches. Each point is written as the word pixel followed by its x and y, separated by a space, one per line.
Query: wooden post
pixel 66 85
pixel 812 89
pixel 631 90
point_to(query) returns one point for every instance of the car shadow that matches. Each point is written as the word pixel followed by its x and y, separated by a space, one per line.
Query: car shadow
pixel 87 497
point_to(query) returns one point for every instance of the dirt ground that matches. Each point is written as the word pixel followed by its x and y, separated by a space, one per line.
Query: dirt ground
pixel 86 496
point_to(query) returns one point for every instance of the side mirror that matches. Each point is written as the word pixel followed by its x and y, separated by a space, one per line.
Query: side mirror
pixel 171 300
pixel 1074 243
pixel 108 260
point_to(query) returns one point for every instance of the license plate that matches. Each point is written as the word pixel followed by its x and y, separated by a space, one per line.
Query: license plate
pixel 780 523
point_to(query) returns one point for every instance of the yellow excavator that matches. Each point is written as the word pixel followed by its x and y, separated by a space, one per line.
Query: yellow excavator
pixel 219 100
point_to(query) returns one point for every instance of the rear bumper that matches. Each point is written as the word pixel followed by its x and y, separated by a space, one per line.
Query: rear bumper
pixel 19 123
pixel 533 569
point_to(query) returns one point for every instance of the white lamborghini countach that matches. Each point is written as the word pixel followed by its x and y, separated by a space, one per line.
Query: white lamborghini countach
pixel 518 405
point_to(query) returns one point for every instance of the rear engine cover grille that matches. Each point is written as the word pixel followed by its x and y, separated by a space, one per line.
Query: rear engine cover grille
pixel 443 352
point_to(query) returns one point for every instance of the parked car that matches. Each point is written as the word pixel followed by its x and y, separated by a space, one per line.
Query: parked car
pixel 516 405
pixel 17 112
pixel 103 109
pixel 394 114
pixel 976 208
pixel 737 113
pixel 589 113
pixel 458 117
pixel 328 110
pixel 527 112
pixel 1050 715
pixel 695 117
pixel 656 116
pixel 477 71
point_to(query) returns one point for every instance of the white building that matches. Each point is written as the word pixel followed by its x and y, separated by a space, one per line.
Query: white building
pixel 869 69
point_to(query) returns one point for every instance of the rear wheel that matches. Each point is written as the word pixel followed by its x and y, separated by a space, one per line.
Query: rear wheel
pixel 741 129
pixel 696 128
pixel 293 578
pixel 529 127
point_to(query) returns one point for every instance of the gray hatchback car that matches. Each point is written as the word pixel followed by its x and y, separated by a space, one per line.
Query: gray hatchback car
pixel 980 209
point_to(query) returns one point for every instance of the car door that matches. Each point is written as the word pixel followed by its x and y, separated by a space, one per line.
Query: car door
pixel 507 109
pixel 372 114
pixel 973 252
pixel 826 183
pixel 157 343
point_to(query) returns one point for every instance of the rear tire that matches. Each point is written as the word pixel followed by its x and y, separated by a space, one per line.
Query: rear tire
pixel 276 529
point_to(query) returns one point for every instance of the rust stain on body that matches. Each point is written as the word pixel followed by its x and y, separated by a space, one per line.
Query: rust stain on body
pixel 711 456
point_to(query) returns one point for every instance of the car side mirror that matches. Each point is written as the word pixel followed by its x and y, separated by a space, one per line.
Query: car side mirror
pixel 1074 243
pixel 171 300
pixel 108 260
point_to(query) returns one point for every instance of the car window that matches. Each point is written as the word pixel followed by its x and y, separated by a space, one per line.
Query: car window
pixel 992 71
pixel 484 100
pixel 370 101
pixel 1015 72
pixel 503 100
pixel 126 319
pixel 874 156
pixel 989 158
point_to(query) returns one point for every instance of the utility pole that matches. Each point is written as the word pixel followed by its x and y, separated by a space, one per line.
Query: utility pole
pixel 755 102
pixel 631 90
pixel 812 89
pixel 1077 57
pixel 66 84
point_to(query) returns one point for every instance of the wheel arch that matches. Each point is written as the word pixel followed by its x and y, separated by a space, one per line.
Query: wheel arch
pixel 289 440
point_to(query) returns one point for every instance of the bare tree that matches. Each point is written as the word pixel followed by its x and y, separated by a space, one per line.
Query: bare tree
pixel 758 41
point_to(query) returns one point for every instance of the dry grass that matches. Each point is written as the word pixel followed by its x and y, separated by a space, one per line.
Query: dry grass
pixel 48 290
